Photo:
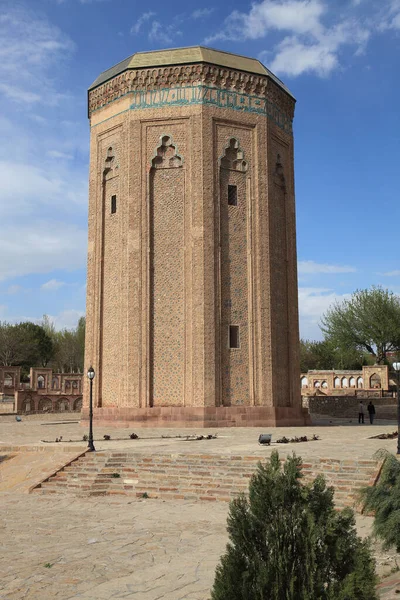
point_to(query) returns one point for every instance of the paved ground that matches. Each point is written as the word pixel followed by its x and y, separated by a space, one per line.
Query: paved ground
pixel 100 549
pixel 95 549
pixel 338 439
pixel 69 548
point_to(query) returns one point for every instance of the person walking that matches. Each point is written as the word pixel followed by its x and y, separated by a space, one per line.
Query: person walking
pixel 371 410
pixel 361 412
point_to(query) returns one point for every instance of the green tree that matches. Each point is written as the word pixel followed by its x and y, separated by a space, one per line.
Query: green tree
pixel 287 542
pixel 70 344
pixel 325 354
pixel 39 347
pixel 383 500
pixel 368 321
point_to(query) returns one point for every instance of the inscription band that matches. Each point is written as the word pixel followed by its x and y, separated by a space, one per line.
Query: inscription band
pixel 201 94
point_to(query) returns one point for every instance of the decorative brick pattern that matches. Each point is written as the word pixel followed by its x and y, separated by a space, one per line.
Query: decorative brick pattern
pixel 167 310
pixel 111 278
pixel 279 256
pixel 234 279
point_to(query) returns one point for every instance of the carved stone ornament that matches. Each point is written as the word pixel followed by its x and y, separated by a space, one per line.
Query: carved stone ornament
pixel 233 157
pixel 242 85
pixel 110 165
pixel 166 155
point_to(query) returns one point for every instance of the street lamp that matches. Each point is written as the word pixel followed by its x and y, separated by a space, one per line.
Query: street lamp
pixel 91 375
pixel 396 367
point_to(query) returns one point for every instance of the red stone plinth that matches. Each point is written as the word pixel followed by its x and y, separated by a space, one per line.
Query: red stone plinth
pixel 220 416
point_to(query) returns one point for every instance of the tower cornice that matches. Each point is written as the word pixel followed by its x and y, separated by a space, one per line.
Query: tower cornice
pixel 249 92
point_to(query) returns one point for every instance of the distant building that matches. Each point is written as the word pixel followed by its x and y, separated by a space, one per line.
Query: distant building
pixel 46 391
pixel 334 383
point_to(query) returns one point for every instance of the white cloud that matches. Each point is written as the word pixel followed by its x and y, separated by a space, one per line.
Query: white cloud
pixel 29 46
pixel 52 285
pixel 309 267
pixel 58 154
pixel 309 45
pixel 389 16
pixel 18 94
pixel 38 118
pixel 202 13
pixel 40 247
pixel 43 192
pixel 313 303
pixel 163 34
pixel 14 289
pixel 25 188
pixel 294 58
pixel 296 16
pixel 82 1
pixel 395 273
pixel 141 20
pixel 66 319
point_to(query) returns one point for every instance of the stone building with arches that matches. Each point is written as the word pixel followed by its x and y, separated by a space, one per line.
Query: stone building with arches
pixel 191 315
pixel 47 390
pixel 372 378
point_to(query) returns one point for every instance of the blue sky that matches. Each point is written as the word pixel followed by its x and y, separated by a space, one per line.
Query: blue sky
pixel 341 61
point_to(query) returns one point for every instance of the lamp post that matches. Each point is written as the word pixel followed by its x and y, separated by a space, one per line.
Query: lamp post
pixel 91 375
pixel 396 367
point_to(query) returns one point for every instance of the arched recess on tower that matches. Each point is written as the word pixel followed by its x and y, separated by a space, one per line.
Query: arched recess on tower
pixel 233 276
pixel 108 334
pixel 166 275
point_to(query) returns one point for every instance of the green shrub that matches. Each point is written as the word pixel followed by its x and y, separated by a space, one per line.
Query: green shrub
pixel 384 500
pixel 287 542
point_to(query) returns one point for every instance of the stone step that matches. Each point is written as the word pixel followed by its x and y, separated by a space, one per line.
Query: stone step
pixel 199 477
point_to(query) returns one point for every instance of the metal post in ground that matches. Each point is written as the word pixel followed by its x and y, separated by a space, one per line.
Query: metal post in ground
pixel 91 375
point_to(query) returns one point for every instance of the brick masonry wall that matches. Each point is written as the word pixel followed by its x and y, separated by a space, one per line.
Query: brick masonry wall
pixel 345 406
pixel 234 276
pixel 167 287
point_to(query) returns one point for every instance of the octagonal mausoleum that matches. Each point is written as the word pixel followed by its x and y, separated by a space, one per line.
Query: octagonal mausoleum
pixel 192 315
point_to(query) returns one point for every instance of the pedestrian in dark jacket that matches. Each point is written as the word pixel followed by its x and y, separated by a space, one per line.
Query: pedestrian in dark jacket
pixel 371 410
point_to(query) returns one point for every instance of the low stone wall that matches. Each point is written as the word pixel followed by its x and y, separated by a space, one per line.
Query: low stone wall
pixel 43 417
pixel 196 416
pixel 345 406
pixel 6 408
pixel 31 402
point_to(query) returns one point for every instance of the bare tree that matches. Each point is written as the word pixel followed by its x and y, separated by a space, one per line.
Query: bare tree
pixel 13 344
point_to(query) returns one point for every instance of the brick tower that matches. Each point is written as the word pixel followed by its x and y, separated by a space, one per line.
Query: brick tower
pixel 192 312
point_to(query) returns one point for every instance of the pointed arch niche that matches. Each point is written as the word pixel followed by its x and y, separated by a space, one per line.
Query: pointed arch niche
pixel 167 275
pixel 234 274
pixel 279 256
pixel 109 360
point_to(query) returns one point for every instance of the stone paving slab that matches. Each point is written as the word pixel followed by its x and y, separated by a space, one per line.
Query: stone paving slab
pixel 389 589
pixel 97 549
pixel 336 441
pixel 94 549
pixel 23 470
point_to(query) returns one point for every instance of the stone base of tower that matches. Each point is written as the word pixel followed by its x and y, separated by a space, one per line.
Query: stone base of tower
pixel 221 416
